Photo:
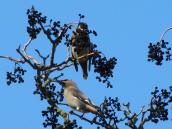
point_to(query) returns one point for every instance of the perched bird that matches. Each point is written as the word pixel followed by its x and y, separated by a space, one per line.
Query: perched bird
pixel 81 46
pixel 76 99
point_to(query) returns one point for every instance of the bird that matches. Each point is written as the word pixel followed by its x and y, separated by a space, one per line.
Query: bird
pixel 81 46
pixel 76 98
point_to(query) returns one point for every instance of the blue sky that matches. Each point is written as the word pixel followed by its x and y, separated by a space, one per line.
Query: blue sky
pixel 124 29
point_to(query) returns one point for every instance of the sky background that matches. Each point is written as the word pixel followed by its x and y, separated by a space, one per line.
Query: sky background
pixel 124 29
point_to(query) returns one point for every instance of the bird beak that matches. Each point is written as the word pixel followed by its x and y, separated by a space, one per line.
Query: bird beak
pixel 61 82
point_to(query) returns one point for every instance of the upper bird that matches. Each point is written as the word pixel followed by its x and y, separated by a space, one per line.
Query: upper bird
pixel 81 46
pixel 76 99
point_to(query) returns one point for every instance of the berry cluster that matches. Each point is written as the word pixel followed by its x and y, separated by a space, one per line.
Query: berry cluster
pixel 159 51
pixel 51 92
pixel 52 115
pixel 36 23
pixel 104 67
pixel 16 76
pixel 34 18
pixel 160 100
pixel 108 109
pixel 45 87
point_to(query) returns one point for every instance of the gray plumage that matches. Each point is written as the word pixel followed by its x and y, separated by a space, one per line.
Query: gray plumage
pixel 76 99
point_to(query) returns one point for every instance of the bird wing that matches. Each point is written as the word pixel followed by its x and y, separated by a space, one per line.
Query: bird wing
pixel 74 56
pixel 83 98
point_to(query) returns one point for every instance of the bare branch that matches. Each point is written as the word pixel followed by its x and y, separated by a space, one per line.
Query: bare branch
pixel 57 41
pixel 26 45
pixel 28 56
pixel 65 66
pixel 60 66
pixel 141 111
pixel 42 57
pixel 12 59
pixel 63 104
pixel 45 32
pixel 88 55
pixel 143 119
pixel 25 59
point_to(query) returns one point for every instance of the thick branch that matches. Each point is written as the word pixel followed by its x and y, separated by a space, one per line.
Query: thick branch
pixel 25 59
pixel 28 56
pixel 42 88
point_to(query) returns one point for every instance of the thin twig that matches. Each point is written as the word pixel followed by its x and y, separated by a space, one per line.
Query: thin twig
pixel 45 32
pixel 62 33
pixel 141 111
pixel 57 41
pixel 63 104
pixel 93 121
pixel 41 56
pixel 163 34
pixel 65 66
pixel 60 66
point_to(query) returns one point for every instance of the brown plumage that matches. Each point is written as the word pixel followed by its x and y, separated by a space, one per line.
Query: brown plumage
pixel 81 46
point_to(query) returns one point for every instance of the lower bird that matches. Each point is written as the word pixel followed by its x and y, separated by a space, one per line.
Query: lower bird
pixel 76 99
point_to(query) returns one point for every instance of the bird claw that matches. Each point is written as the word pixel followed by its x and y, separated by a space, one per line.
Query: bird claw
pixel 71 112
pixel 82 116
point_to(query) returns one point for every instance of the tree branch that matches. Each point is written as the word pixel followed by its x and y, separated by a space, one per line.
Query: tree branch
pixel 42 57
pixel 28 56
pixel 52 54
pixel 12 59
pixel 163 34
pixel 89 55
pixel 62 33
pixel 26 45
pixel 93 121
pixel 42 88
pixel 25 59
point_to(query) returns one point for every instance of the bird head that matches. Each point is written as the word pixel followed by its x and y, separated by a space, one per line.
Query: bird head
pixel 67 83
pixel 83 26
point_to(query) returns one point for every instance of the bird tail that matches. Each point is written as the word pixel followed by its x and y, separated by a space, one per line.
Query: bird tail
pixel 94 110
pixel 91 109
pixel 84 69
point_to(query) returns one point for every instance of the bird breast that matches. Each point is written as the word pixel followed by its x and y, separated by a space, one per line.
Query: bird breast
pixel 73 101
